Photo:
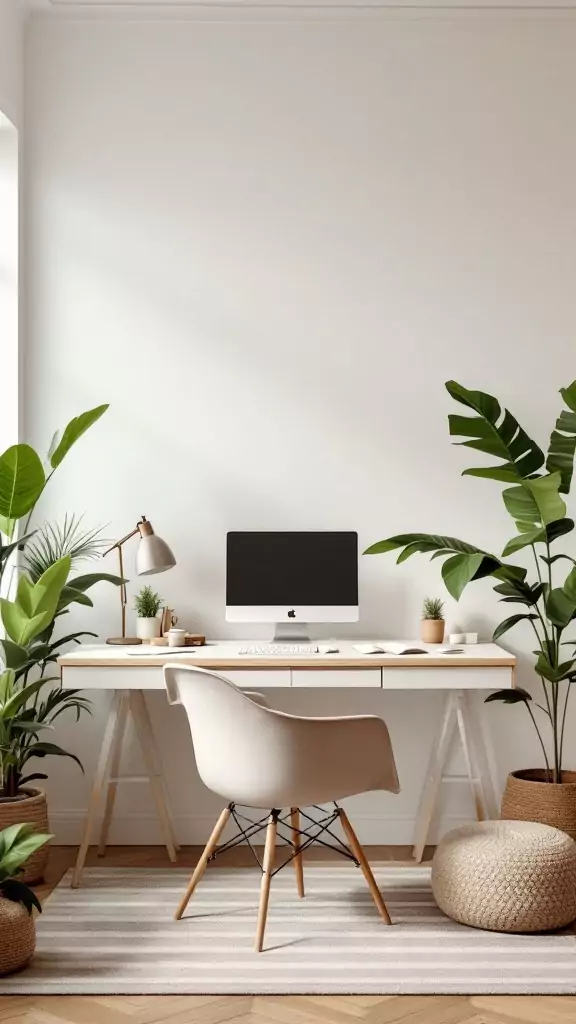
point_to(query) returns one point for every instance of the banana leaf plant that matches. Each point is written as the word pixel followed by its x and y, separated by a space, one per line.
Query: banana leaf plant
pixel 533 496
pixel 23 478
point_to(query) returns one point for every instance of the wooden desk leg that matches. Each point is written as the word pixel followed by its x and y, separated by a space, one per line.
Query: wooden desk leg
pixel 146 741
pixel 483 750
pixel 112 783
pixel 155 752
pixel 96 794
pixel 466 732
pixel 438 757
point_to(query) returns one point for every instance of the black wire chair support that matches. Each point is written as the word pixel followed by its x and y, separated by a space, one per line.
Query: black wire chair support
pixel 322 825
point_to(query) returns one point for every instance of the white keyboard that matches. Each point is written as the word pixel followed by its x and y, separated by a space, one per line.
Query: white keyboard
pixel 275 650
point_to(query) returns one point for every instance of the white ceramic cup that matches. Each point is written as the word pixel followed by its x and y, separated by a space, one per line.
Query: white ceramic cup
pixel 176 637
pixel 457 638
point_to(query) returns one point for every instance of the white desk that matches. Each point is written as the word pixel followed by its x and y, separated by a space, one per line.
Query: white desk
pixel 480 667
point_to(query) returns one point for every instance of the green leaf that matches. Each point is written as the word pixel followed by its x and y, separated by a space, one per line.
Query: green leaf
pixel 509 623
pixel 563 440
pixel 494 432
pixel 538 535
pixel 515 696
pixel 554 674
pixel 70 595
pixel 559 607
pixel 523 540
pixel 43 749
pixel 21 481
pixel 7 526
pixel 7 680
pixel 535 502
pixel 458 570
pixel 24 596
pixel 46 592
pixel 19 698
pixel 76 427
pixel 519 592
pixel 84 583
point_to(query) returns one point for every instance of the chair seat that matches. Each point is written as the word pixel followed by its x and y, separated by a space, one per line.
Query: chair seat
pixel 506 876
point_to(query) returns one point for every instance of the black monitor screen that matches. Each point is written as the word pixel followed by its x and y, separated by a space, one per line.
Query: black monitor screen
pixel 292 568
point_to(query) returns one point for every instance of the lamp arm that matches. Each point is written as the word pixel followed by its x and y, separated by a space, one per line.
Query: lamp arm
pixel 122 541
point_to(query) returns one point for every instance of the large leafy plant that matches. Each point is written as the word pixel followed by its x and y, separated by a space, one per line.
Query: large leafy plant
pixel 532 496
pixel 17 844
pixel 26 709
pixel 44 593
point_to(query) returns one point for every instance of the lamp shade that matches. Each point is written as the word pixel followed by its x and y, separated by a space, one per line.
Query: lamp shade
pixel 153 555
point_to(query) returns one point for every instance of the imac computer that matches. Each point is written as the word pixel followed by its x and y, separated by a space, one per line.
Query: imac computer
pixel 292 579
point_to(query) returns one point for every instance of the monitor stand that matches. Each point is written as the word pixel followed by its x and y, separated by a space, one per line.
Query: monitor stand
pixel 291 632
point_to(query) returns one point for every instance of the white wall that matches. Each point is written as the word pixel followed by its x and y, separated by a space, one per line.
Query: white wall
pixel 268 245
pixel 11 65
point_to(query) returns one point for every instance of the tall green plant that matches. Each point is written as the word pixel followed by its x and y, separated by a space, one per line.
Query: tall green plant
pixel 532 496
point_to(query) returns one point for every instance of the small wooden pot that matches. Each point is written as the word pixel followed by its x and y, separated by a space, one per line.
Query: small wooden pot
pixel 432 631
pixel 528 797
pixel 148 628
pixel 28 807
pixel 17 936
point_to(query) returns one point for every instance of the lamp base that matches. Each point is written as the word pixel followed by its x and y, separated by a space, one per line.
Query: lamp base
pixel 124 640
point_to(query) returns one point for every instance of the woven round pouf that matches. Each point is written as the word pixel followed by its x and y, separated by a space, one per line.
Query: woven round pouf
pixel 506 876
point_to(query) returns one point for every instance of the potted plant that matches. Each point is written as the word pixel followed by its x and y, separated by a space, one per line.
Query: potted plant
pixel 17 930
pixel 44 593
pixel 432 622
pixel 533 496
pixel 148 623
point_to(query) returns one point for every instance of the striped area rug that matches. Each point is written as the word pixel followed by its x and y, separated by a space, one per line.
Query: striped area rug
pixel 116 935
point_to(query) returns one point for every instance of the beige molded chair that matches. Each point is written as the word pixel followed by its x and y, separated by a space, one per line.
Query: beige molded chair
pixel 259 758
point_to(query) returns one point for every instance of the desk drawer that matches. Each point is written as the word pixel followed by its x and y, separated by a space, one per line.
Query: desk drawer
pixel 255 678
pixel 453 677
pixel 350 677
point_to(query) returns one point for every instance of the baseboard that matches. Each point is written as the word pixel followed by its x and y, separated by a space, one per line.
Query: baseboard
pixel 143 829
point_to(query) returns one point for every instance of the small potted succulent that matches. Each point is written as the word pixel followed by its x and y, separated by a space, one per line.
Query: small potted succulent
pixel 432 623
pixel 148 622
pixel 17 901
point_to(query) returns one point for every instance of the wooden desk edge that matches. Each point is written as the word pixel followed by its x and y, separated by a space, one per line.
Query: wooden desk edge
pixel 508 661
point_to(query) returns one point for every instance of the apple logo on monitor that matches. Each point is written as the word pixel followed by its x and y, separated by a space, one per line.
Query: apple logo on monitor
pixel 291 614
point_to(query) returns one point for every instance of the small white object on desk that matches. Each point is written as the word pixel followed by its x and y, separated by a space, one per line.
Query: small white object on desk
pixel 471 638
pixel 176 637
pixel 453 649
pixel 457 638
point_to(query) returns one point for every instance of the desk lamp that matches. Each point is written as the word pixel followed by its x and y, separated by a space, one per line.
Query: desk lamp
pixel 153 555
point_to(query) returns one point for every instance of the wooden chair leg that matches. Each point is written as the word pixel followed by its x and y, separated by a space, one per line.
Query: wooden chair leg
pixel 201 865
pixel 366 869
pixel 268 865
pixel 298 866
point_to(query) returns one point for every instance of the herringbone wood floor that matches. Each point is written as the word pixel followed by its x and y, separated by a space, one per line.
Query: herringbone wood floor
pixel 266 1009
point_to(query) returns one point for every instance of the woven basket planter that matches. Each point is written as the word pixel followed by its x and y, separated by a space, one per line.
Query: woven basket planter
pixel 17 936
pixel 528 797
pixel 30 808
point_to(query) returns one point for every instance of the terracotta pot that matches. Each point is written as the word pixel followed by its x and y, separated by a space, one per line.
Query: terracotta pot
pixel 30 807
pixel 432 631
pixel 528 797
pixel 17 936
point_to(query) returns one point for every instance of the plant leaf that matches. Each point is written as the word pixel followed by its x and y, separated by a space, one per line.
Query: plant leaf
pixel 559 607
pixel 515 696
pixel 22 481
pixel 458 570
pixel 74 430
pixel 535 502
pixel 15 656
pixel 84 583
pixel 42 749
pixel 494 432
pixel 509 623
pixel 563 440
